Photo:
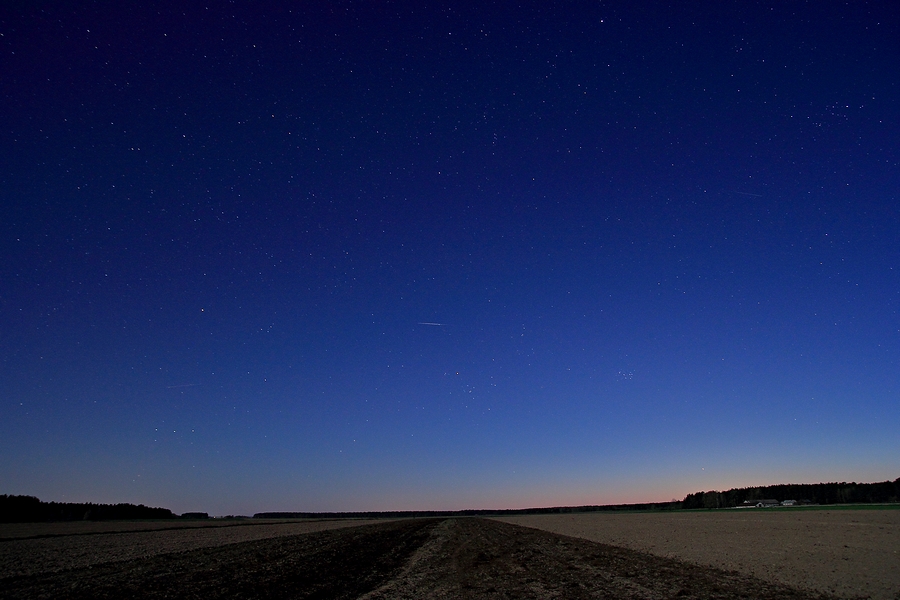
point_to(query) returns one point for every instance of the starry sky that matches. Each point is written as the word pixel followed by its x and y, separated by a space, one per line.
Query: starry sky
pixel 361 255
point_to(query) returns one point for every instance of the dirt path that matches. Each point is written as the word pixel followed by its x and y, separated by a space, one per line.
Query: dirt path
pixel 422 558
pixel 477 558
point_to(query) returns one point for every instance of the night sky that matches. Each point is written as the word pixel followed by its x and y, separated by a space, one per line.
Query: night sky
pixel 367 255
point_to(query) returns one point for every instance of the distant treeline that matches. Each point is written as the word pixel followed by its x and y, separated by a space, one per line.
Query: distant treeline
pixel 465 513
pixel 811 493
pixel 28 509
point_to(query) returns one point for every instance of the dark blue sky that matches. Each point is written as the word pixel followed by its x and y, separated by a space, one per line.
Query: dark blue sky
pixel 395 255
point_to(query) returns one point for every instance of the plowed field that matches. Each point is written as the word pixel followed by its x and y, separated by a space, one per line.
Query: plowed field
pixel 850 552
pixel 421 558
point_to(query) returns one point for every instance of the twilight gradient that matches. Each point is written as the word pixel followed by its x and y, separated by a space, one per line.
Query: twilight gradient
pixel 384 255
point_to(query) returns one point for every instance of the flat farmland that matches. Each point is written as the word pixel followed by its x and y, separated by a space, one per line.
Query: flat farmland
pixel 846 552
pixel 62 528
pixel 35 548
pixel 398 559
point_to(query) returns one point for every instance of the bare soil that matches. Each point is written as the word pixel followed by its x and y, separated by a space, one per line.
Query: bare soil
pixel 417 558
pixel 59 528
pixel 29 549
pixel 846 552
